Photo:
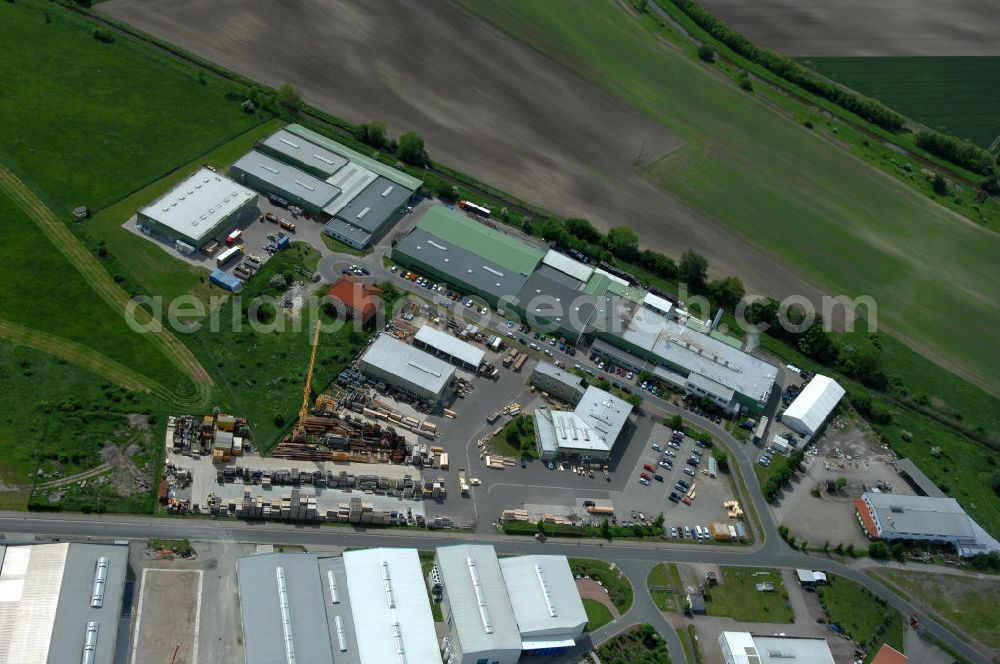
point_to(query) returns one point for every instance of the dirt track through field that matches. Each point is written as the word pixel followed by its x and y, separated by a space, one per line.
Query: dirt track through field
pixel 485 104
pixel 847 27
pixel 100 281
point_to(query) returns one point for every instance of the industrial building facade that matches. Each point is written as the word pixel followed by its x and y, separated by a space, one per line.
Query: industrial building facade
pixel 61 602
pixel 559 383
pixel 203 207
pixel 446 346
pixel 893 517
pixel 358 198
pixel 558 295
pixel 407 368
pixel 590 431
pixel 813 405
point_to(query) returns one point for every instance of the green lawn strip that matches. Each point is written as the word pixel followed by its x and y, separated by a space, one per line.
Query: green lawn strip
pixel 598 615
pixel 89 122
pixel 861 615
pixel 966 603
pixel 638 645
pixel 953 95
pixel 149 264
pixel 737 597
pixel 426 563
pixel 618 586
pixel 808 202
pixel 661 576
pixel 40 289
pixel 61 432
pixel 260 374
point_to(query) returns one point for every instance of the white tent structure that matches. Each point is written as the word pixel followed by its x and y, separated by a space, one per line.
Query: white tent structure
pixel 813 406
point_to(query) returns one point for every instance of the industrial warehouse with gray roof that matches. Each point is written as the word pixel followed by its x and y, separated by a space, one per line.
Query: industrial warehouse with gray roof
pixel 407 368
pixel 61 602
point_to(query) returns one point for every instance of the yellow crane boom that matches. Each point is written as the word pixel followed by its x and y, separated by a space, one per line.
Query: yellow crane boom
pixel 300 424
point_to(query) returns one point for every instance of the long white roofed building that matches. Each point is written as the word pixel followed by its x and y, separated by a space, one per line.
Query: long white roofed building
pixel 547 605
pixel 810 410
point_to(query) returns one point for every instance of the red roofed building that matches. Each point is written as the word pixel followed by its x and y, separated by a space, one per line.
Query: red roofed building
pixel 889 655
pixel 865 517
pixel 356 296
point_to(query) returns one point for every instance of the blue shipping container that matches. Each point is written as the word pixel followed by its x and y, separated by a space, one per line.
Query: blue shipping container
pixel 224 280
pixel 283 241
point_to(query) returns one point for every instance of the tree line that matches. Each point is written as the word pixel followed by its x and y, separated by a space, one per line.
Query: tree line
pixel 791 71
pixel 957 151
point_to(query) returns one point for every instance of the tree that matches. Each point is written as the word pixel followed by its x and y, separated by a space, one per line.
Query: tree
pixel 841 483
pixel 279 421
pixel 878 550
pixel 623 243
pixel 898 551
pixel 372 133
pixel 995 482
pixel 675 422
pixel 582 229
pixel 289 97
pixel 706 53
pixel 745 82
pixel 693 270
pixel 658 264
pixel 727 292
pixel 940 186
pixel 850 550
pixel 411 149
pixel 541 526
pixel 606 528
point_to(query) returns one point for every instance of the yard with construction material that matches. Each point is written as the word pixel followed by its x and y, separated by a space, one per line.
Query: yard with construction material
pixel 88 122
pixel 953 95
pixel 862 616
pixel 966 603
pixel 167 617
pixel 795 193
pixel 737 597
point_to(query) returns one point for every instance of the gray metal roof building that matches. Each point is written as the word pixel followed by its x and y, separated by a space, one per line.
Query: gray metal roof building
pixel 399 364
pixel 555 298
pixel 441 260
pixel 454 349
pixel 899 517
pixel 198 209
pixel 560 383
pixel 476 607
pixel 61 602
pixel 591 430
pixel 375 205
pixel 546 602
pixel 265 173
pixel 391 610
pixel 281 606
pixel 303 154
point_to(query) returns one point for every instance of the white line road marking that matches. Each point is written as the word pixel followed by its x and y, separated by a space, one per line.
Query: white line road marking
pixel 197 611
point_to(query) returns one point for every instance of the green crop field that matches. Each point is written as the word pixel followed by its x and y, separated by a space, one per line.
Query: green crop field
pixel 848 226
pixel 954 95
pixel 87 122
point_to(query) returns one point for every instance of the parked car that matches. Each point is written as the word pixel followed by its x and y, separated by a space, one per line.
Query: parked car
pixel 656 446
pixel 658 477
pixel 644 476
pixel 666 464
pixel 648 467
pixel 688 471
pixel 643 481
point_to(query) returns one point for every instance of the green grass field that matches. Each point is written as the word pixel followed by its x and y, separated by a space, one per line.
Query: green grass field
pixel 62 426
pixel 39 289
pixel 86 123
pixel 861 615
pixel 965 602
pixel 736 596
pixel 638 645
pixel 618 585
pixel 598 615
pixel 664 574
pixel 953 95
pixel 849 227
